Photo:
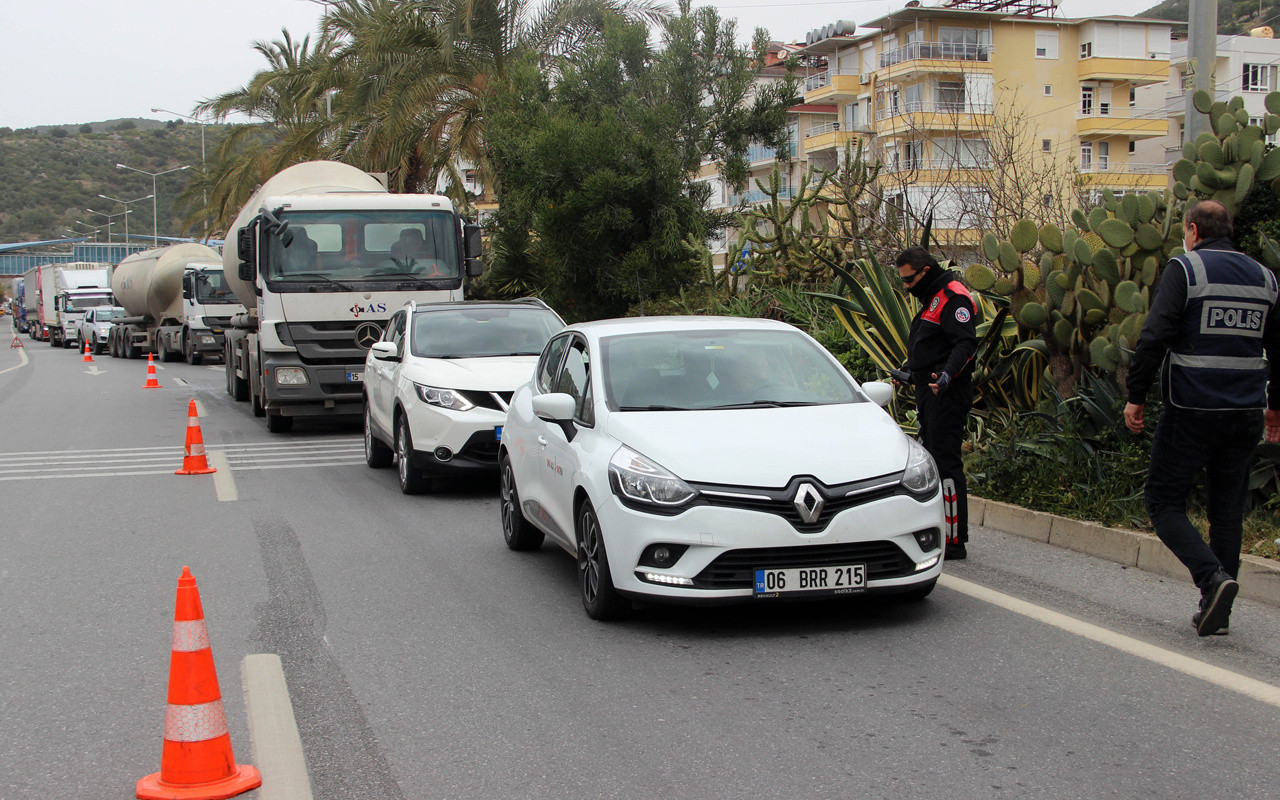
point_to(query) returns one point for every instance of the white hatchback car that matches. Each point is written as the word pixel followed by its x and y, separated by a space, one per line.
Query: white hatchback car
pixel 95 324
pixel 715 459
pixel 437 385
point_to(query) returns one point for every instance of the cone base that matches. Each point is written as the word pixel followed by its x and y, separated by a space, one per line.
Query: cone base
pixel 242 780
pixel 195 471
pixel 148 386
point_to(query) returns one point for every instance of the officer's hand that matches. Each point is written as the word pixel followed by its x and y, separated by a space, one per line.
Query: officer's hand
pixel 941 382
pixel 1272 419
pixel 1133 418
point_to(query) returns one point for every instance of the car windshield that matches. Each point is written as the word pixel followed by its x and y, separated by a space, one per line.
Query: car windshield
pixel 482 332
pixel 345 246
pixel 104 314
pixel 706 369
pixel 211 289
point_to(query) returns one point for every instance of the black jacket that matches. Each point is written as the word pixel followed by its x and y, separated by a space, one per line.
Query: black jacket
pixel 943 335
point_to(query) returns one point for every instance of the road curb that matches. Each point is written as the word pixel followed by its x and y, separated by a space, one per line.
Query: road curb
pixel 1259 577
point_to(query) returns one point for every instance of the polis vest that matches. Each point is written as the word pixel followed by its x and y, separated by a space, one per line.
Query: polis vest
pixel 1217 362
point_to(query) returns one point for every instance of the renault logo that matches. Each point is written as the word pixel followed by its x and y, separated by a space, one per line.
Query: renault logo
pixel 367 334
pixel 808 502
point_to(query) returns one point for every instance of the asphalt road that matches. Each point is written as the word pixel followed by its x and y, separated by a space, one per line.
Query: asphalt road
pixel 425 660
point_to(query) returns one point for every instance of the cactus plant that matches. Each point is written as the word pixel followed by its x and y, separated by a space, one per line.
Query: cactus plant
pixel 1227 163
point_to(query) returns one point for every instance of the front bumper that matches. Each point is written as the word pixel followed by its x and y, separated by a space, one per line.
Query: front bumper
pixel 725 544
pixel 470 437
pixel 328 392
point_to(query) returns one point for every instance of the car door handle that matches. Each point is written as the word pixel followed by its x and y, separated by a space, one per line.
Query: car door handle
pixel 542 441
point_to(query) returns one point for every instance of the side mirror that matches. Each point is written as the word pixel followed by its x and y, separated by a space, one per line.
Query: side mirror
pixel 878 392
pixel 247 251
pixel 556 407
pixel 474 248
pixel 384 350
pixel 187 292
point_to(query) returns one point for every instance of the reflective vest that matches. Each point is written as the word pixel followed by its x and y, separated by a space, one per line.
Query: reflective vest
pixel 1217 363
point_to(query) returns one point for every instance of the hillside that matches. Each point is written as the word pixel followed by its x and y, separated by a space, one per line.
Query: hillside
pixel 50 175
pixel 1234 16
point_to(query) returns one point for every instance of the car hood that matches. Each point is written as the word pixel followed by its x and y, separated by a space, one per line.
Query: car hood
pixel 498 374
pixel 767 447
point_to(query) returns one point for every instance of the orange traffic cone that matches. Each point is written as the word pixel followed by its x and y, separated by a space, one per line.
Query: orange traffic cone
pixel 194 462
pixel 151 383
pixel 196 762
pixel 87 356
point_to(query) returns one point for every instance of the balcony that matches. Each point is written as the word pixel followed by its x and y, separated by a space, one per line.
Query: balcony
pixel 1137 71
pixel 916 57
pixel 942 115
pixel 756 196
pixel 758 153
pixel 830 85
pixel 1104 119
pixel 940 165
pixel 1129 175
pixel 828 136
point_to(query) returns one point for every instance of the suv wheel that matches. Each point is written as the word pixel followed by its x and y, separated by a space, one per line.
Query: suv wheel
pixel 518 531
pixel 599 598
pixel 376 454
pixel 412 479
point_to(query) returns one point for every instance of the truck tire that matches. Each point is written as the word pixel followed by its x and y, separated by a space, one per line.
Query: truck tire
pixel 258 410
pixel 162 352
pixel 193 356
pixel 68 343
pixel 279 423
pixel 53 339
pixel 237 387
pixel 127 346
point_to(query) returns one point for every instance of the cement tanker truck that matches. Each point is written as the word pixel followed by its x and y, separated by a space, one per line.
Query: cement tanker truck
pixel 322 255
pixel 176 304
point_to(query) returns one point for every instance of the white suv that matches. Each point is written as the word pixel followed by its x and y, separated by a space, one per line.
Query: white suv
pixel 95 324
pixel 436 386
pixel 713 459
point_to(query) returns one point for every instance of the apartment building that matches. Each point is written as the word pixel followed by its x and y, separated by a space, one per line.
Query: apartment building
pixel 927 88
pixel 1246 66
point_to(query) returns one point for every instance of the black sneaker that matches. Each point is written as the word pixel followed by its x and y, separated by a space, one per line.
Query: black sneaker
pixel 1223 631
pixel 1215 604
pixel 956 552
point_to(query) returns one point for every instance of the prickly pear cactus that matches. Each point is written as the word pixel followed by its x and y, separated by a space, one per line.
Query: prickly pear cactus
pixel 1087 291
pixel 1226 164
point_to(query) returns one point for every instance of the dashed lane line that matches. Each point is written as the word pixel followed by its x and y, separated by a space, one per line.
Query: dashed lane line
pixel 224 483
pixel 273 729
pixel 1218 676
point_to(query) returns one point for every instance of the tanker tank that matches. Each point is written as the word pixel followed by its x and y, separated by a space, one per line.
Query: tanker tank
pixel 149 284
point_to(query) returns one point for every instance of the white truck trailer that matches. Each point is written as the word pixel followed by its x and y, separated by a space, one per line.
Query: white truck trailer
pixel 81 285
pixel 176 304
pixel 322 255
pixel 44 284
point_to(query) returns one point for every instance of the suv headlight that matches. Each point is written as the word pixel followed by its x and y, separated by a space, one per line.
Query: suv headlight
pixel 636 479
pixel 444 398
pixel 921 476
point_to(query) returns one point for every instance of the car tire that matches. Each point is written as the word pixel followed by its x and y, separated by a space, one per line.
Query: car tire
pixel 918 593
pixel 600 600
pixel 194 357
pixel 518 531
pixel 412 479
pixel 376 454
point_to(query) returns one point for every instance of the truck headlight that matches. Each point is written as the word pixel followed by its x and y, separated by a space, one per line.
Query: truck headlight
pixel 921 475
pixel 206 339
pixel 292 376
pixel 444 398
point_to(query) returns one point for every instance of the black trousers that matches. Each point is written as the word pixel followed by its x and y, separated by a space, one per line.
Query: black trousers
pixel 1220 443
pixel 942 418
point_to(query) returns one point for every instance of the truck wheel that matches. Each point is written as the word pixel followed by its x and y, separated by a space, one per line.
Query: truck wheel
pixel 279 423
pixel 68 343
pixel 162 352
pixel 193 356
pixel 412 479
pixel 237 387
pixel 53 339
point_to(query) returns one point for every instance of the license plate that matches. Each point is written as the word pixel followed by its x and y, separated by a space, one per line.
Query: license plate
pixel 811 580
pixel 355 377
pixel 497 433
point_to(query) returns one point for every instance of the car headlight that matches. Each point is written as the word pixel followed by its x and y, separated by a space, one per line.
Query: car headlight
pixel 292 376
pixel 921 475
pixel 637 479
pixel 444 398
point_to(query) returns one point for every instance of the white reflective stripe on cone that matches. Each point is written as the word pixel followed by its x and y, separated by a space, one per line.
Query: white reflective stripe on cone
pixel 189 636
pixel 193 421
pixel 196 723
pixel 196 449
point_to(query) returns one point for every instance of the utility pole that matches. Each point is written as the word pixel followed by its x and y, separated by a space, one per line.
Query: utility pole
pixel 1202 57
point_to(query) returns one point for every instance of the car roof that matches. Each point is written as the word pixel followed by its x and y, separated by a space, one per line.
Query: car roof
pixel 617 327
pixel 524 302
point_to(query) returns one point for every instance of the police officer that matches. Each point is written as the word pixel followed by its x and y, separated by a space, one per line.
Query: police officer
pixel 1213 317
pixel 939 354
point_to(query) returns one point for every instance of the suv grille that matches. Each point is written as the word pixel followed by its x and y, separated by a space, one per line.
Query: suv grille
pixel 498 401
pixel 835 499
pixel 735 569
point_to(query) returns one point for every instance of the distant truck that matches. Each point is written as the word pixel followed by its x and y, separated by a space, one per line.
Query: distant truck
pixel 49 287
pixel 322 256
pixel 176 304
pixel 16 307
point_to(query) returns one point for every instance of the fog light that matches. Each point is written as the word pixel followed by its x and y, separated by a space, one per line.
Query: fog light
pixel 663 556
pixel 928 562
pixel 669 580
pixel 928 539
pixel 292 376
pixel 443 454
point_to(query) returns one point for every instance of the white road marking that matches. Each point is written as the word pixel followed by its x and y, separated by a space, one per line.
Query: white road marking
pixel 95 371
pixel 181 382
pixel 1218 676
pixel 199 406
pixel 273 730
pixel 224 483
pixel 22 353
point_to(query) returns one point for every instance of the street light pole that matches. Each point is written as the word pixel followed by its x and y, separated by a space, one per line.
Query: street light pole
pixel 126 203
pixel 109 218
pixel 155 215
pixel 193 119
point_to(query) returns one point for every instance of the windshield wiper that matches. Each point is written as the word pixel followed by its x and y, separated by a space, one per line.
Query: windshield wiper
pixel 770 404
pixel 655 407
pixel 322 277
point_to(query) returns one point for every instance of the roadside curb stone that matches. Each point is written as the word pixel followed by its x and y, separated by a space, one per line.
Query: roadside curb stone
pixel 1259 577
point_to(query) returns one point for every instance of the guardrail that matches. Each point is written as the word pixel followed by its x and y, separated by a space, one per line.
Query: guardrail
pixel 934 107
pixel 936 51
pixel 1106 111
pixel 907 165
pixel 826 127
pixel 1130 168
pixel 757 196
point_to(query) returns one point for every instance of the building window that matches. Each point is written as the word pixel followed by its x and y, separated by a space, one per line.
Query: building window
pixel 1261 122
pixel 1256 78
pixel 1104 156
pixel 1086 49
pixel 1086 156
pixel 951 96
pixel 1048 201
pixel 1086 100
pixel 1133 97
pixel 1046 145
pixel 1133 147
pixel 1182 133
pixel 1047 44
pixel 1048 90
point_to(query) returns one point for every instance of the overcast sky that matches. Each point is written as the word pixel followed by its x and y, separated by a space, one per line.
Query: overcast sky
pixel 73 61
